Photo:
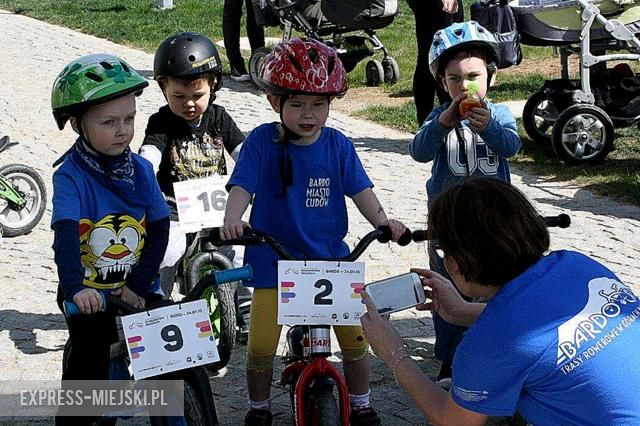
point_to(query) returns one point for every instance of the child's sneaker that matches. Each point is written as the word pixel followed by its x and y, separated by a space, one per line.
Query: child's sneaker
pixel 258 418
pixel 366 416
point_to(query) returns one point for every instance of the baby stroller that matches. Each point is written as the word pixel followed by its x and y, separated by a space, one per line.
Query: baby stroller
pixel 346 25
pixel 578 117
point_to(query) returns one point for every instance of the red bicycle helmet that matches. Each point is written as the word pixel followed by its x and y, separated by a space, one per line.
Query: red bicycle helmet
pixel 303 67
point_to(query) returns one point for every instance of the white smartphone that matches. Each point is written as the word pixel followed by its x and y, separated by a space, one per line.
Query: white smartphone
pixel 396 293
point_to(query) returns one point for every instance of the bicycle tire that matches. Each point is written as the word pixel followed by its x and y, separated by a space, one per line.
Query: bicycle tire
pixel 221 303
pixel 199 406
pixel 66 354
pixel 36 201
pixel 225 311
pixel 322 408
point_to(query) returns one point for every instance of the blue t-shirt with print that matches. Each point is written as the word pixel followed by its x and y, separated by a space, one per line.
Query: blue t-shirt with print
pixel 112 229
pixel 311 214
pixel 481 154
pixel 559 344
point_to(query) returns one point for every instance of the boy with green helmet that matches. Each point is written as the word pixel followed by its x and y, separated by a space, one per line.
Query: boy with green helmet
pixel 91 80
pixel 109 217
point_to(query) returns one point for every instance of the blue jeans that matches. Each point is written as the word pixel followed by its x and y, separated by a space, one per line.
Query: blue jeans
pixel 448 336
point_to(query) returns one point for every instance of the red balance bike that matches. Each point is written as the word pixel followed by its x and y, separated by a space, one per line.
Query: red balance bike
pixel 310 377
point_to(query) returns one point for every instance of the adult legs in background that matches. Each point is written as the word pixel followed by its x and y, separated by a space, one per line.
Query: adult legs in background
pixel 231 20
pixel 429 18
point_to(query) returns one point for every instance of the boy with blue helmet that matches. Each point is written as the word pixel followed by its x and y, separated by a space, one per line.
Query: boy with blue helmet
pixel 462 55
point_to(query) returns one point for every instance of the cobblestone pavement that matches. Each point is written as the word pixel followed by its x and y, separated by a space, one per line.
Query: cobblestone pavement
pixel 33 331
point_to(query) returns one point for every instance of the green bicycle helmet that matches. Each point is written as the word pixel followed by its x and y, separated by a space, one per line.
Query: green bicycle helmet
pixel 464 35
pixel 92 80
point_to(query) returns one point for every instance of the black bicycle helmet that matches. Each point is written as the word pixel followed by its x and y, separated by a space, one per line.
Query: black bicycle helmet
pixel 187 54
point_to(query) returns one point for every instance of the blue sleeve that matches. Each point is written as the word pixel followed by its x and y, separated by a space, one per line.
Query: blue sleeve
pixel 66 255
pixel 157 236
pixel 66 198
pixel 429 138
pixel 247 169
pixel 354 177
pixel 501 135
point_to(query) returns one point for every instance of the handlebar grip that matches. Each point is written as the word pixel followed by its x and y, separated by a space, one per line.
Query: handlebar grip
pixel 419 236
pixel 405 238
pixel 386 234
pixel 71 309
pixel 214 235
pixel 244 273
pixel 561 221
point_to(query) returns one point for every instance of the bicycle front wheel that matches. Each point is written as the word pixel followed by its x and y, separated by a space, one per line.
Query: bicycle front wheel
pixel 199 406
pixel 222 312
pixel 322 408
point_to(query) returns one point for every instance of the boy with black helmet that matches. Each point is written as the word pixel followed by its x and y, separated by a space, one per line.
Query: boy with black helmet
pixel 186 138
pixel 110 220
pixel 299 172
pixel 462 56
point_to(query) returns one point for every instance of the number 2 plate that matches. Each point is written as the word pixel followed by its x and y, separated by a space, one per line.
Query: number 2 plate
pixel 170 338
pixel 320 292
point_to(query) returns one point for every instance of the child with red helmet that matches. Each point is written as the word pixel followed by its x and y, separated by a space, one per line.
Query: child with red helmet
pixel 298 172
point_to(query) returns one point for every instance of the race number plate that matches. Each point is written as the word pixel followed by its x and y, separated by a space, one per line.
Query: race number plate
pixel 201 202
pixel 320 292
pixel 169 338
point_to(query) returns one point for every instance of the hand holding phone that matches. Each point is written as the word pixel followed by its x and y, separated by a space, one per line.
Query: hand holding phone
pixel 396 293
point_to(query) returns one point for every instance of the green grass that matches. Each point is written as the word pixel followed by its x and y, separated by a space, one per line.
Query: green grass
pixel 618 177
pixel 136 23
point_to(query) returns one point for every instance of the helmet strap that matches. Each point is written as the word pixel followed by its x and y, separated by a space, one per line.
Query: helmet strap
pixel 491 71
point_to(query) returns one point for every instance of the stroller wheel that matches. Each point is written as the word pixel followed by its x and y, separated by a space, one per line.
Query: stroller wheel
pixel 374 73
pixel 255 62
pixel 391 70
pixel 538 117
pixel 583 134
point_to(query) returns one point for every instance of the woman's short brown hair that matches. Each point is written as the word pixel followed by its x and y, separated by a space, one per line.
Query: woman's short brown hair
pixel 489 228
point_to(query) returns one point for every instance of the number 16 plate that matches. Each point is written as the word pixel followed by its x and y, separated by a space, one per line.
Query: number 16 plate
pixel 320 292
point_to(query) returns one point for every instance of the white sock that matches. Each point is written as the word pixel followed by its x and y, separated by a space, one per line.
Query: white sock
pixel 260 405
pixel 359 402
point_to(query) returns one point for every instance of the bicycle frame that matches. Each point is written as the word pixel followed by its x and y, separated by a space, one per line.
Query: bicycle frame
pixel 196 377
pixel 7 192
pixel 301 374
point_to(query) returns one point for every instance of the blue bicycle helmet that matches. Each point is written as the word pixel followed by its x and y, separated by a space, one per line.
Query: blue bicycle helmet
pixel 464 35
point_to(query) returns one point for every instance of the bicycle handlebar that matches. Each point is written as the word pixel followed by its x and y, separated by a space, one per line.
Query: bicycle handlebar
pixel 560 221
pixel 226 276
pixel 252 237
